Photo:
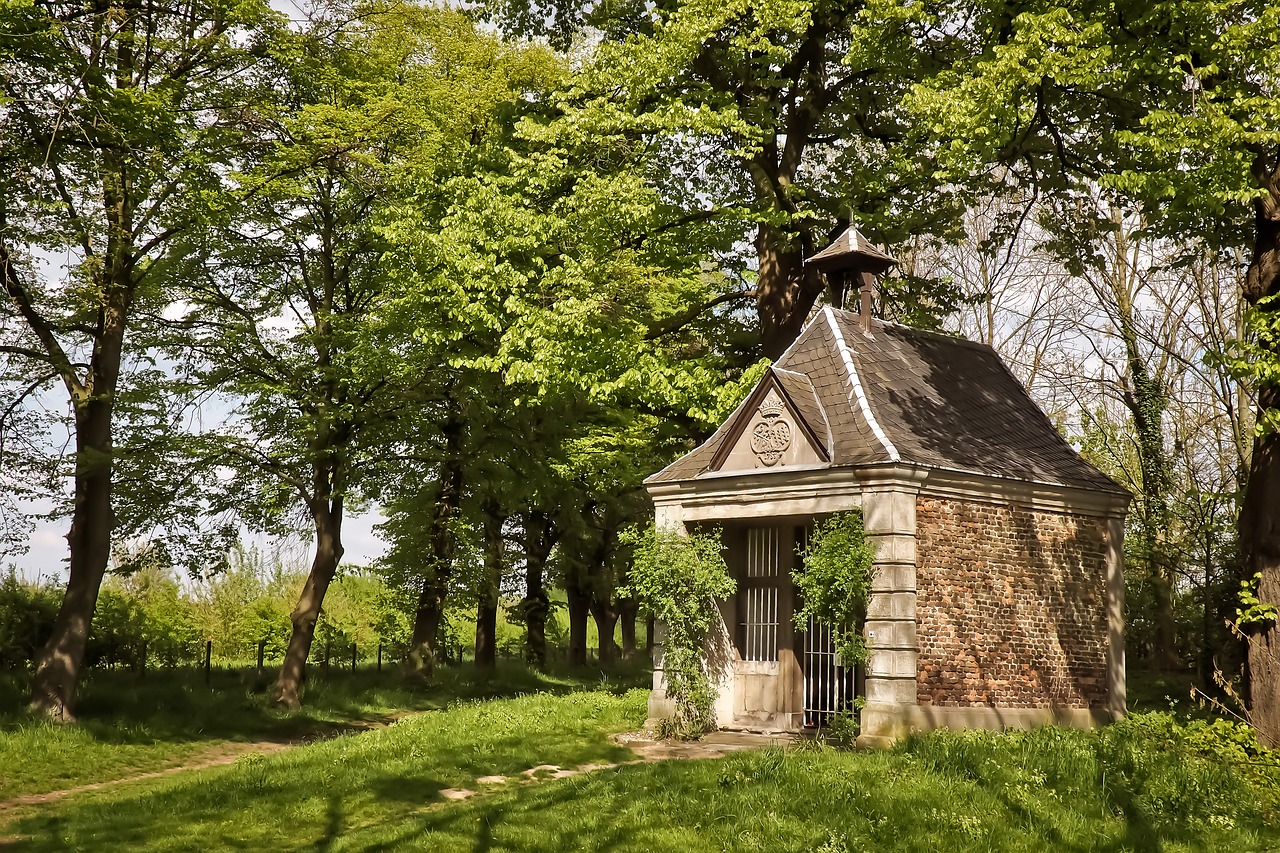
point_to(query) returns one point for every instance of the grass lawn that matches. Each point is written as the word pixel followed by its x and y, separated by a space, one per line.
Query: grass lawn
pixel 318 796
pixel 1147 784
pixel 129 725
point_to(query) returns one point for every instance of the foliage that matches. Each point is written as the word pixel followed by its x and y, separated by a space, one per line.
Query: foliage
pixel 773 121
pixel 843 727
pixel 1255 356
pixel 835 582
pixel 677 578
pixel 27 612
pixel 1253 613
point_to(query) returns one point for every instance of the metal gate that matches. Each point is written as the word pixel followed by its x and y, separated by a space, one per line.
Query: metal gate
pixel 829 688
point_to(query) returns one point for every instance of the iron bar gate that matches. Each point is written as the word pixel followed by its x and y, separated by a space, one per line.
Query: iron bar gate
pixel 829 687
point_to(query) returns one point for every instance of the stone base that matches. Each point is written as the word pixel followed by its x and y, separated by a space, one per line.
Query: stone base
pixel 660 708
pixel 883 724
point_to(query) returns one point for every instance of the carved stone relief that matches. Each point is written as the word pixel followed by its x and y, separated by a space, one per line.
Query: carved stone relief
pixel 771 437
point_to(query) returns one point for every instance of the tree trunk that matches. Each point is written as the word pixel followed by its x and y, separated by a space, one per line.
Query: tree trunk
pixel 1146 398
pixel 627 613
pixel 491 584
pixel 420 661
pixel 1260 543
pixel 605 614
pixel 328 523
pixel 785 290
pixel 1166 655
pixel 487 632
pixel 539 538
pixel 1259 517
pixel 60 662
pixel 579 601
pixel 427 617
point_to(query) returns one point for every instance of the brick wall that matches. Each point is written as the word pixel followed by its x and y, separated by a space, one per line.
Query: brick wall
pixel 1011 606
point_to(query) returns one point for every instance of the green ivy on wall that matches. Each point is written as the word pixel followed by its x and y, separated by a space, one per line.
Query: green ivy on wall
pixel 677 578
pixel 835 582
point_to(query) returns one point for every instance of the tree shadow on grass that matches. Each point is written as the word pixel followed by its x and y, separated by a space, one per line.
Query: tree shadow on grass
pixel 385 778
pixel 124 708
pixel 475 826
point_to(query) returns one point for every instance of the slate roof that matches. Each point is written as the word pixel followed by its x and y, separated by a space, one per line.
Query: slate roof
pixel 897 394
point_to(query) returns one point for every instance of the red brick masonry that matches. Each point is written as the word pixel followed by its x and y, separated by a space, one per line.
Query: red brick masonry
pixel 1010 607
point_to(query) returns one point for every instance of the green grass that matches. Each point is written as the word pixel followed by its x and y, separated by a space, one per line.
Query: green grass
pixel 1147 784
pixel 1150 783
pixel 939 793
pixel 129 725
pixel 312 796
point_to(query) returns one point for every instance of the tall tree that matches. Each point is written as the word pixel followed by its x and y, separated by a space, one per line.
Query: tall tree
pixel 782 118
pixel 113 138
pixel 560 292
pixel 293 318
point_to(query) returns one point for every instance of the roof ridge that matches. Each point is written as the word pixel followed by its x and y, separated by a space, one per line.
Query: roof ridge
pixel 856 390
pixel 852 317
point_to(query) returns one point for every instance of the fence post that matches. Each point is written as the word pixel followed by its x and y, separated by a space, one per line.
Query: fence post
pixel 327 649
pixel 262 651
pixel 208 657
pixel 379 657
pixel 353 657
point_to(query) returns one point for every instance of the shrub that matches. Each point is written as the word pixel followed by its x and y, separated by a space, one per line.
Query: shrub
pixel 835 582
pixel 27 613
pixel 677 578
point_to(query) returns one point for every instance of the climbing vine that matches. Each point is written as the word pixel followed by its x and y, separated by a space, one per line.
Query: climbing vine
pixel 835 581
pixel 677 578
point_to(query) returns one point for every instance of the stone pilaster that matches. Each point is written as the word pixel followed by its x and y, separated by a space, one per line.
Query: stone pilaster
pixel 667 516
pixel 1117 702
pixel 889 516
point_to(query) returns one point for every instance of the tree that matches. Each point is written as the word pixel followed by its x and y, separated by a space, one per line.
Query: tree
pixel 780 119
pixel 556 309
pixel 113 136
pixel 293 319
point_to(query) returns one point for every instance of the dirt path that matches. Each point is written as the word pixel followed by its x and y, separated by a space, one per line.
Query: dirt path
pixel 649 748
pixel 217 755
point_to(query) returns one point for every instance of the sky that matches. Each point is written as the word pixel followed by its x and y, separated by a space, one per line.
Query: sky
pixel 47 556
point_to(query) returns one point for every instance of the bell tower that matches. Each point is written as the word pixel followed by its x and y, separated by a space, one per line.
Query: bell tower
pixel 853 259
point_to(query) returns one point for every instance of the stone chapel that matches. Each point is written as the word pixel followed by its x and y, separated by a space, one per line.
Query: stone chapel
pixel 998 590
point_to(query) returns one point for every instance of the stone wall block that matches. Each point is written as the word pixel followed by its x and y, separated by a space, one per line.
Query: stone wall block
pixel 892 606
pixel 891 691
pixel 891 663
pixel 889 512
pixel 893 547
pixel 884 634
pixel 893 577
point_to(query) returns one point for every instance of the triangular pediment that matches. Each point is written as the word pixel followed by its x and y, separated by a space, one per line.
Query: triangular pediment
pixel 770 431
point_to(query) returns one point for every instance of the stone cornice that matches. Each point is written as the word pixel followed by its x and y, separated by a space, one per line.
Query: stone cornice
pixel 819 482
